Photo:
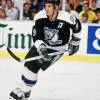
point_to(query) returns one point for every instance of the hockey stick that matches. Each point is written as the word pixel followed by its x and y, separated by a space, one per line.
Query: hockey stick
pixel 2 45
pixel 13 55
pixel 33 58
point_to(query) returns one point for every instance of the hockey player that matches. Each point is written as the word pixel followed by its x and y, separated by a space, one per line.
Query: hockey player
pixel 51 32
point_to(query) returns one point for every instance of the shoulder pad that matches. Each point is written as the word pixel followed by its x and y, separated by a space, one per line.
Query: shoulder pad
pixel 65 16
pixel 39 15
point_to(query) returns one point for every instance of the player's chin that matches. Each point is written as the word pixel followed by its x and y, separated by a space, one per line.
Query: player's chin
pixel 48 14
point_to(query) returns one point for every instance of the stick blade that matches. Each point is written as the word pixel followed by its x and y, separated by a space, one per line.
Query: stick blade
pixel 2 45
pixel 13 55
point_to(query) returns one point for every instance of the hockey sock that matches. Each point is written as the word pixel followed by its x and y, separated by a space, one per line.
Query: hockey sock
pixel 29 79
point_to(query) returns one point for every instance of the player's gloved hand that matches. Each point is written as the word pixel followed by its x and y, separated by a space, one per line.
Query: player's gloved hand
pixel 43 51
pixel 73 46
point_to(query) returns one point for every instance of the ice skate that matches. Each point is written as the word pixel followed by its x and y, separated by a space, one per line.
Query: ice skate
pixel 17 94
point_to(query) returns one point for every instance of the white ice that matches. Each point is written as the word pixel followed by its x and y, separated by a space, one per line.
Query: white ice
pixel 65 80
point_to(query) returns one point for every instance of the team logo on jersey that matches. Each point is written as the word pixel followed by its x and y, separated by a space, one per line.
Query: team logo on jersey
pixel 93 46
pixel 60 25
pixel 2 27
pixel 51 36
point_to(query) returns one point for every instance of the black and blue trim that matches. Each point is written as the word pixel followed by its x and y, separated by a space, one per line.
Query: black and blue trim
pixel 28 82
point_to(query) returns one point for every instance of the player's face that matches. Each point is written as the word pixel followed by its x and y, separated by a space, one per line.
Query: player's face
pixel 49 9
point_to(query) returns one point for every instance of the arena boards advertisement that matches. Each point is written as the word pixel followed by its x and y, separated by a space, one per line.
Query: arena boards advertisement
pixel 16 35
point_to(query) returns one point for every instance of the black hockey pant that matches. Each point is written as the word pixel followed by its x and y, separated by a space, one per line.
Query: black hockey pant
pixel 36 65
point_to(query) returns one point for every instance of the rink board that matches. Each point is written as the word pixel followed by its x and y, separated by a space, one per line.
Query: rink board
pixel 19 39
pixel 65 57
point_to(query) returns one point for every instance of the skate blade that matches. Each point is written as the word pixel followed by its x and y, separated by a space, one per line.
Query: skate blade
pixel 11 98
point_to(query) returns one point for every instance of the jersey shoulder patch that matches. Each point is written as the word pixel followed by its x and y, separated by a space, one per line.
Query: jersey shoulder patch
pixel 65 16
pixel 41 14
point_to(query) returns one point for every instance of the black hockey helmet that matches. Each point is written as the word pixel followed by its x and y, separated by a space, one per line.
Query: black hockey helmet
pixel 54 2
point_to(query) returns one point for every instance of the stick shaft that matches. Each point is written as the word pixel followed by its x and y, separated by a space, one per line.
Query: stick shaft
pixel 38 57
pixel 34 58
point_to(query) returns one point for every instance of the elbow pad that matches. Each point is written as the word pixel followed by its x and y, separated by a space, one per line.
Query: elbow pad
pixel 77 27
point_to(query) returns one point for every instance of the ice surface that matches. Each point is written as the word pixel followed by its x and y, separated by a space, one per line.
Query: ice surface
pixel 65 80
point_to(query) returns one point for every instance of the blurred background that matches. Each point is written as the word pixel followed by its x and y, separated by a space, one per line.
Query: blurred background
pixel 88 10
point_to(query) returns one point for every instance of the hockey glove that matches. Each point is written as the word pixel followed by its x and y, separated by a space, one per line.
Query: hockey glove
pixel 43 51
pixel 73 46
